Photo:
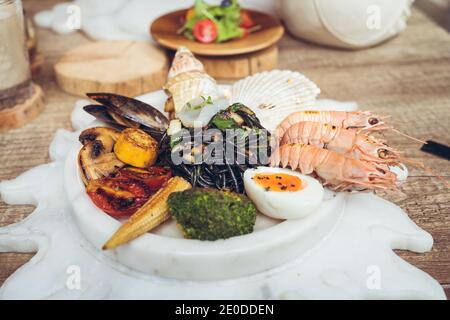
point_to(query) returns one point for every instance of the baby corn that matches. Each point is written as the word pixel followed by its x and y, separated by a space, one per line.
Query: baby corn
pixel 154 212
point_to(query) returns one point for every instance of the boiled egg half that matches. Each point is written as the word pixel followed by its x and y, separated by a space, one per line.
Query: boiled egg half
pixel 282 193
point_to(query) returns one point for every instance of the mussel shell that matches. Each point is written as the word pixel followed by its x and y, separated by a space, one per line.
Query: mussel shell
pixel 101 113
pixel 132 109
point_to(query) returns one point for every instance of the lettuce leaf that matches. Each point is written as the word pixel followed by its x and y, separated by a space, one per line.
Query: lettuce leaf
pixel 227 20
pixel 228 30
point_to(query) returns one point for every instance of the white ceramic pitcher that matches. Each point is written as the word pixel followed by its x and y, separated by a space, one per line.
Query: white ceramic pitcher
pixel 345 23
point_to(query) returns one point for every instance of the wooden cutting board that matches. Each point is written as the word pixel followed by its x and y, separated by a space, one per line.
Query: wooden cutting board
pixel 125 67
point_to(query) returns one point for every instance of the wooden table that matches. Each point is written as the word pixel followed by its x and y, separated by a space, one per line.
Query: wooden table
pixel 408 78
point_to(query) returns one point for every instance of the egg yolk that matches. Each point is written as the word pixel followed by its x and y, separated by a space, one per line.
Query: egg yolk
pixel 278 182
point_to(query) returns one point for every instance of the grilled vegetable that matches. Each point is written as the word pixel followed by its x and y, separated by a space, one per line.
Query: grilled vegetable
pixel 150 215
pixel 118 197
pixel 153 177
pixel 107 136
pixel 96 159
pixel 126 190
pixel 210 214
pixel 236 116
pixel 136 148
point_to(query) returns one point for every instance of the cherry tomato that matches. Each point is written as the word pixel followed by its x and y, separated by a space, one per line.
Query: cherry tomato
pixel 118 197
pixel 205 31
pixel 246 20
pixel 153 177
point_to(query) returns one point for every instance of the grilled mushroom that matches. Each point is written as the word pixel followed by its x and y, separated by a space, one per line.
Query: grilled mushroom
pixel 108 136
pixel 97 159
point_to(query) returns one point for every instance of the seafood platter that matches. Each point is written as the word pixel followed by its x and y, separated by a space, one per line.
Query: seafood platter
pixel 254 190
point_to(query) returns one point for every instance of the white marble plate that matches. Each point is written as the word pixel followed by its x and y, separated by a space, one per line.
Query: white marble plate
pixel 166 253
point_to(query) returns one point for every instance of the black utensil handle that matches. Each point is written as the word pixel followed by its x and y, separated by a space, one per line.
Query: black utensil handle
pixel 437 149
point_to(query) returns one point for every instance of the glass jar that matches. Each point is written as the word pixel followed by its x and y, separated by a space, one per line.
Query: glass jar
pixel 15 74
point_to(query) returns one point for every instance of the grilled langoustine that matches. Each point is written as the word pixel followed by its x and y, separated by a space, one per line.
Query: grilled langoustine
pixel 356 119
pixel 355 143
pixel 334 169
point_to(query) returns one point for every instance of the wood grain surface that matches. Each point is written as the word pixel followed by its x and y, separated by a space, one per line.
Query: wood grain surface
pixel 242 65
pixel 130 68
pixel 24 112
pixel 407 77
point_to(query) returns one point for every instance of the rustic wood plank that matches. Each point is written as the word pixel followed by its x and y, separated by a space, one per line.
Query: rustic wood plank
pixel 408 78
pixel 447 291
pixel 10 262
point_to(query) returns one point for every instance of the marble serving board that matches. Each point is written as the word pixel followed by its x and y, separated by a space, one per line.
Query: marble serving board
pixel 342 251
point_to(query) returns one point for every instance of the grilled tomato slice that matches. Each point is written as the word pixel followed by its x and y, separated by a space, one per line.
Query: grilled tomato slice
pixel 153 177
pixel 118 197
pixel 124 192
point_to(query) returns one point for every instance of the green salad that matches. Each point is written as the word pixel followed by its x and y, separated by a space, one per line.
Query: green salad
pixel 217 23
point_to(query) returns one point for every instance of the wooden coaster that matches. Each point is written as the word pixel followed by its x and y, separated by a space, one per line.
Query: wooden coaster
pixel 240 66
pixel 125 67
pixel 21 114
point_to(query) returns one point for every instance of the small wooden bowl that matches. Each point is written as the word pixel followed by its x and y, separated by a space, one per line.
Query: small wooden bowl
pixel 164 31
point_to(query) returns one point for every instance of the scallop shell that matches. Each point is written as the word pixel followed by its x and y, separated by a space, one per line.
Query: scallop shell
pixel 273 95
pixel 184 61
pixel 190 85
